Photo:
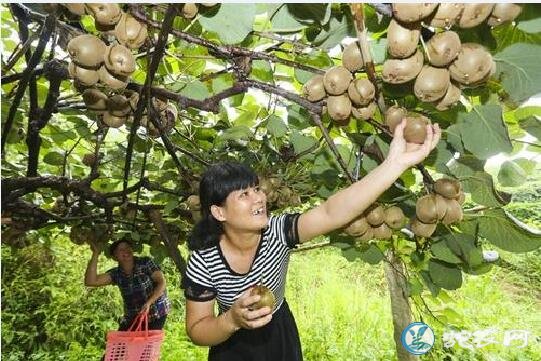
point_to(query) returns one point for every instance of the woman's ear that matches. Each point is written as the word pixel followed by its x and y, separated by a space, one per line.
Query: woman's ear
pixel 217 213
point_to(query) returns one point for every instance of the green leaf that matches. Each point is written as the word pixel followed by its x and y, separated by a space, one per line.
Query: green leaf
pixel 519 70
pixel 261 70
pixel 445 275
pixel 530 18
pixel 172 204
pixel 276 126
pixel 195 90
pixel 54 158
pixel 441 251
pixel 440 156
pixel 282 20
pixel 318 59
pixel 302 142
pixel 481 187
pixel 236 133
pixel 379 50
pixel 339 27
pixel 310 13
pixel 232 22
pixel 463 246
pixel 508 34
pixel 372 254
pixel 511 174
pixel 532 125
pixel 504 231
pixel 483 131
pixel 351 254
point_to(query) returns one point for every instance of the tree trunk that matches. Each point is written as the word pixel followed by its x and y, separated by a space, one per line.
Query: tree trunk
pixel 400 307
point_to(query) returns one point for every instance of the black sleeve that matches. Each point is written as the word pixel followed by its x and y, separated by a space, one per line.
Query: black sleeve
pixel 197 282
pixel 196 292
pixel 289 231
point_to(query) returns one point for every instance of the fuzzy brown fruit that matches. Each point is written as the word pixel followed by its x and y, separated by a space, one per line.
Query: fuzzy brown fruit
pixel 352 59
pixel 449 188
pixel 267 297
pixel 382 231
pixel 402 40
pixel 422 229
pixel 394 217
pixel 415 130
pixel 474 14
pixel 119 105
pixel 361 92
pixel 86 77
pixel 394 116
pixel 375 215
pixel 364 113
pixel 106 14
pixel 443 48
pixel 503 13
pixel 472 65
pixel 446 15
pixel 86 51
pixel 113 121
pixel 431 83
pixel 426 209
pixel 189 10
pixel 119 60
pixel 454 212
pixel 75 9
pixel 399 71
pixel 358 227
pixel 451 97
pixel 339 108
pixel 111 81
pixel 130 32
pixel 95 100
pixel 89 159
pixel 336 80
pixel 314 90
pixel 410 12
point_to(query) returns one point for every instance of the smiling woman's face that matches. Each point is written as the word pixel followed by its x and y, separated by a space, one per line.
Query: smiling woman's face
pixel 123 253
pixel 246 209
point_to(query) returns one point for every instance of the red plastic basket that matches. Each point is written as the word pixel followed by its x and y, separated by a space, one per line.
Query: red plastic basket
pixel 135 344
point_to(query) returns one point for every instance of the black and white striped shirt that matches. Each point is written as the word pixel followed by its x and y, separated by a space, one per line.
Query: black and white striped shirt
pixel 209 276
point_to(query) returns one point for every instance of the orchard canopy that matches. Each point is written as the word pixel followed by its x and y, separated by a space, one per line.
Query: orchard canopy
pixel 111 112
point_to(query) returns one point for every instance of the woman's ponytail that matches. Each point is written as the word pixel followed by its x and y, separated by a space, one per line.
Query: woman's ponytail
pixel 205 234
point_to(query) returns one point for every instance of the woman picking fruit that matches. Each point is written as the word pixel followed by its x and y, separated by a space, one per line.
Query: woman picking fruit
pixel 237 246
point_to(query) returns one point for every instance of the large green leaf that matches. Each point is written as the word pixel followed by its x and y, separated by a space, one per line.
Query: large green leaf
pixel 194 90
pixel 481 187
pixel 445 275
pixel 532 125
pixel 276 126
pixel 511 174
pixel 339 27
pixel 519 70
pixel 441 251
pixel 371 254
pixel 503 230
pixel 54 158
pixel 302 142
pixel 483 131
pixel 232 22
pixel 311 13
pixel 282 20
pixel 530 18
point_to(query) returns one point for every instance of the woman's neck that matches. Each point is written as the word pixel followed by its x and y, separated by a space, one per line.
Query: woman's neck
pixel 127 267
pixel 242 242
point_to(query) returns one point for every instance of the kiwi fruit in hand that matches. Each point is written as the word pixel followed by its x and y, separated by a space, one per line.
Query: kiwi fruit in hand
pixel 415 130
pixel 267 297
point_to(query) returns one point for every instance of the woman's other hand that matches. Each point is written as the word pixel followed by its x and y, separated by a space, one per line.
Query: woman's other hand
pixel 242 316
pixel 409 154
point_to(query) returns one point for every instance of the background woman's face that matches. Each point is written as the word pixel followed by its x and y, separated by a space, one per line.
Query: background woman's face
pixel 123 252
pixel 246 209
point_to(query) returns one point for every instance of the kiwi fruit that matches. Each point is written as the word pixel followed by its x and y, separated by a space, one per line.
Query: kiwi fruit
pixel 472 65
pixel 314 90
pixel 352 58
pixel 399 71
pixel 111 81
pixel 94 99
pixel 454 212
pixel 410 12
pixel 361 92
pixel 336 80
pixel 422 229
pixel 415 129
pixel 358 227
pixel 366 236
pixel 106 14
pixel 441 205
pixel 86 77
pixel 267 297
pixel 503 12
pixel 339 108
pixel 431 84
pixel 394 217
pixel 113 121
pixel 449 188
pixel 394 116
pixel 382 231
pixel 451 97
pixel 189 10
pixel 159 104
pixel 461 198
pixel 119 60
pixel 75 9
pixel 89 159
pixel 446 15
pixel 118 105
pixel 375 215
pixel 474 14
pixel 426 209
pixel 402 40
pixel 364 113
pixel 443 48
pixel 86 51
pixel 208 5
pixel 130 32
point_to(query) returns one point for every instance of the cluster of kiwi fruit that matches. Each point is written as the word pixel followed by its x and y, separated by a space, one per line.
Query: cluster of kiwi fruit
pixel 278 193
pixel 444 205
pixel 451 64
pixel 99 233
pixel 190 10
pixel 376 222
pixel 345 92
pixel 267 297
pixel 415 129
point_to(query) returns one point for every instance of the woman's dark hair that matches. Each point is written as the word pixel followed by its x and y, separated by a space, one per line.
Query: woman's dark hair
pixel 115 244
pixel 217 182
